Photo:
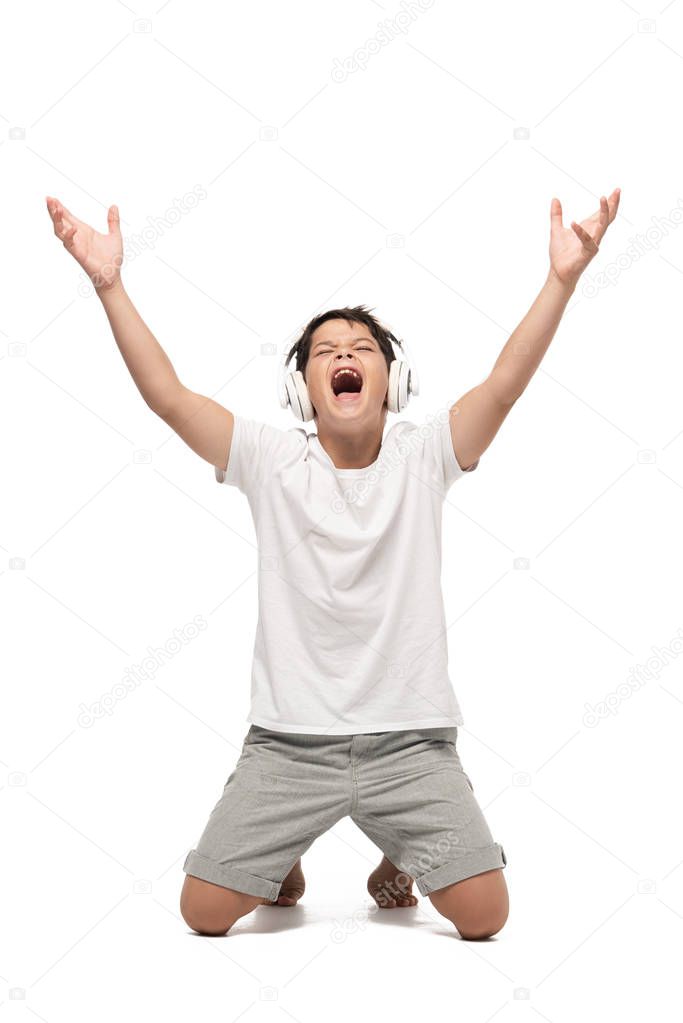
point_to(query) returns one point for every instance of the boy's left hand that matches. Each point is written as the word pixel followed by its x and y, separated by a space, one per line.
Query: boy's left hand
pixel 572 248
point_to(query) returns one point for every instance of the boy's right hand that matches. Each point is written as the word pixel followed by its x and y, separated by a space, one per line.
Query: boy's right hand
pixel 100 255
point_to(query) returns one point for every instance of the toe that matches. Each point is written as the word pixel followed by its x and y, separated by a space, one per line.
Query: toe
pixel 383 900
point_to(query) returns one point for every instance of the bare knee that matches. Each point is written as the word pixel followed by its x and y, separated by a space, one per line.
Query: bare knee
pixel 478 906
pixel 210 924
pixel 484 925
pixel 211 909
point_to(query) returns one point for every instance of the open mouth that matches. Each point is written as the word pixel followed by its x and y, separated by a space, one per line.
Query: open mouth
pixel 347 383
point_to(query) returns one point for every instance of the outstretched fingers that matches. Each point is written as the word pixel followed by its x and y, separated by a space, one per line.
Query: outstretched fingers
pixel 57 213
pixel 603 219
pixel 65 214
pixel 607 212
pixel 64 228
pixel 71 217
pixel 113 219
pixel 556 215
pixel 584 237
pixel 613 203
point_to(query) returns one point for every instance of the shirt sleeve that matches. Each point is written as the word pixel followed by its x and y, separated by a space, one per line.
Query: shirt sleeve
pixel 253 450
pixel 438 451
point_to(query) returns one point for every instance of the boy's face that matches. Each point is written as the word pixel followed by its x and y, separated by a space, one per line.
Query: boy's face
pixel 357 398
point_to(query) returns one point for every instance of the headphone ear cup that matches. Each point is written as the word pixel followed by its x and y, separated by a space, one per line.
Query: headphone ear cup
pixel 299 401
pixel 393 389
pixel 397 393
pixel 404 394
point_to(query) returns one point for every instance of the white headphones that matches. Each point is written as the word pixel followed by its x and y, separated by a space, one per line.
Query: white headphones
pixel 403 382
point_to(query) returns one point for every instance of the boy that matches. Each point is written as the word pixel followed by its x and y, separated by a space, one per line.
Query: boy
pixel 352 709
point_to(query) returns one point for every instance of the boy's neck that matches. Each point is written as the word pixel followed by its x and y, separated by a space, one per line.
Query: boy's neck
pixel 351 451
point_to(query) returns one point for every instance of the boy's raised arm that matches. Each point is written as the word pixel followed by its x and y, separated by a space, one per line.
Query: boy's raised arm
pixel 202 423
pixel 479 414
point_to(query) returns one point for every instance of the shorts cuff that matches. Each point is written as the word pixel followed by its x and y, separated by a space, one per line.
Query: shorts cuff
pixel 230 877
pixel 474 862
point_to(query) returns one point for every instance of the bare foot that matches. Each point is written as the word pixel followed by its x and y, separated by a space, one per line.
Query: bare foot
pixel 391 887
pixel 292 889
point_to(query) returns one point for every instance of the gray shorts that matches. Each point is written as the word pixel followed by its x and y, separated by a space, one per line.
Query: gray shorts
pixel 406 790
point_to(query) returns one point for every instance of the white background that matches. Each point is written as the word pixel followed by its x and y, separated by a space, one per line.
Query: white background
pixel 421 186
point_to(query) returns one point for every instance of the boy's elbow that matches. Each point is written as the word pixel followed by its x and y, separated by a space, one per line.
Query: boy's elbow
pixel 504 389
pixel 163 403
pixel 157 408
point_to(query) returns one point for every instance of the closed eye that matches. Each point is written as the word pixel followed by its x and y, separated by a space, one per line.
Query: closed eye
pixel 364 348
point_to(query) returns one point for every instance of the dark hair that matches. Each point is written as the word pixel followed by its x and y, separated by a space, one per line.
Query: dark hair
pixel 352 314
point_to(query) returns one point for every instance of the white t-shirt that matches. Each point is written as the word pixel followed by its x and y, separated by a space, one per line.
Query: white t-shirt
pixel 351 628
